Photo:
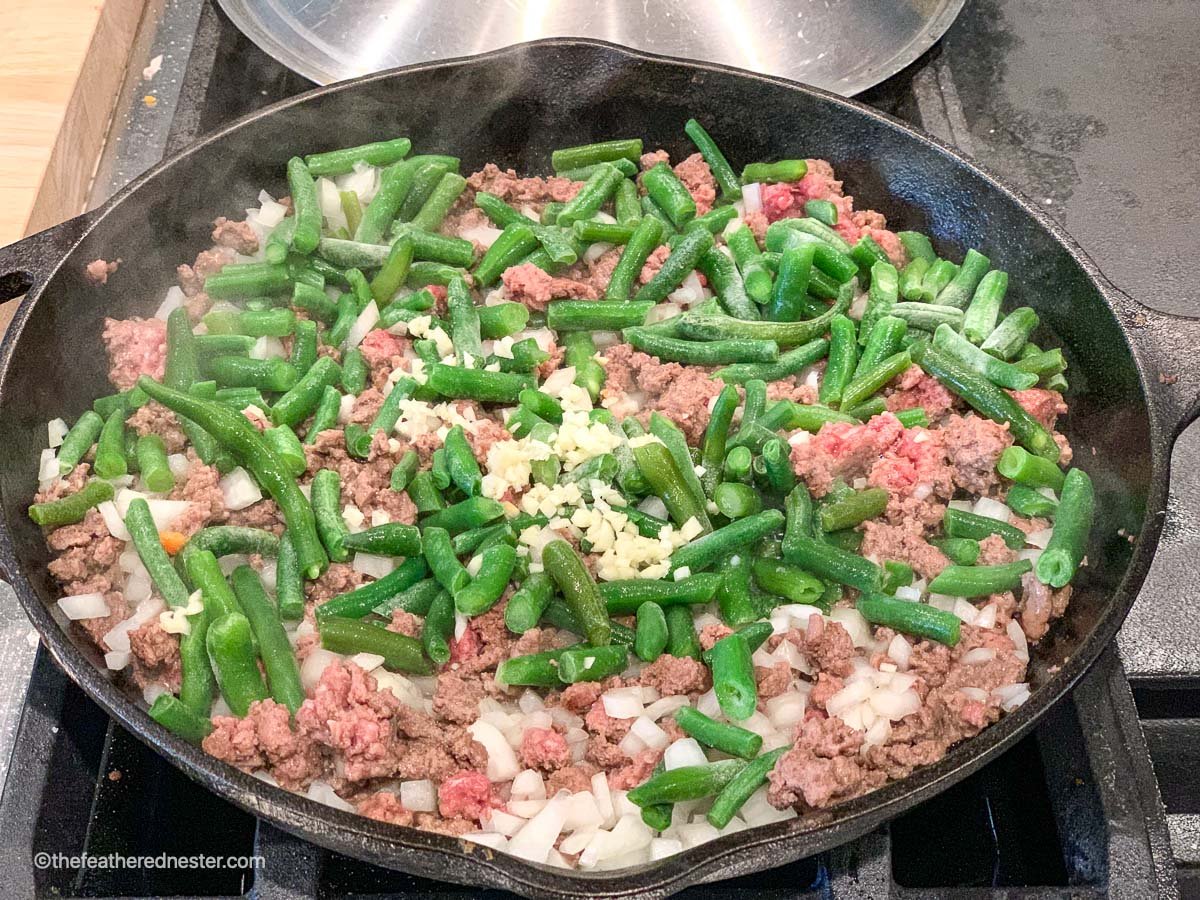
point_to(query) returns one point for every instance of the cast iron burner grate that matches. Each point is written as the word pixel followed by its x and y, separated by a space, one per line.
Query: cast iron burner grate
pixel 1072 811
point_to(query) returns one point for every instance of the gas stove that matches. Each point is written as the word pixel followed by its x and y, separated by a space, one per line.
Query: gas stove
pixel 1076 103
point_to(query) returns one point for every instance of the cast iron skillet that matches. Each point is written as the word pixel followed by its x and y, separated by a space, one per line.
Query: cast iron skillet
pixel 512 107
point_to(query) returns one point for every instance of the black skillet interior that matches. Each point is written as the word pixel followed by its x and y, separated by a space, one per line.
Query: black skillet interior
pixel 512 108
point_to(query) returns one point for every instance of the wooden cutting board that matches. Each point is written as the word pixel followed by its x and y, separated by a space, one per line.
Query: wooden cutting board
pixel 62 66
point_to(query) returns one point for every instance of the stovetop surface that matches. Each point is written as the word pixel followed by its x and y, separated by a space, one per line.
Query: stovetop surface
pixel 1079 105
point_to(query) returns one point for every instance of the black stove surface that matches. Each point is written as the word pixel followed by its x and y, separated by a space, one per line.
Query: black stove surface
pixel 1048 96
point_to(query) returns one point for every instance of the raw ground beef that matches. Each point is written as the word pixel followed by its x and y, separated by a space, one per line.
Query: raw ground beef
pixel 208 262
pixel 681 393
pixel 519 192
pixel 239 236
pixel 98 270
pixel 535 288
pixel 265 739
pixel 135 347
pixel 698 179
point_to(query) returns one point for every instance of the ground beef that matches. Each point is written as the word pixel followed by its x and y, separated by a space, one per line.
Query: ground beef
pixel 366 484
pixel 155 655
pixel 772 680
pixel 406 623
pixel 545 749
pixel 673 675
pixel 209 262
pixel 154 418
pixel 1045 406
pixel 457 698
pixel 467 794
pixel 827 645
pixel 336 580
pixel 239 236
pixel 710 634
pixel 485 433
pixel 791 388
pixel 698 179
pixel 574 778
pixel 840 450
pixel 914 389
pixel 635 771
pixel 1040 605
pixel 535 192
pixel 135 347
pixel 581 696
pixel 822 768
pixel 916 476
pixel 535 288
pixel 201 487
pixel 973 444
pixel 86 563
pixel 98 270
pixel 384 806
pixel 347 714
pixel 994 552
pixel 265 739
pixel 653 263
pixel 904 542
pixel 484 644
pixel 653 158
pixel 681 393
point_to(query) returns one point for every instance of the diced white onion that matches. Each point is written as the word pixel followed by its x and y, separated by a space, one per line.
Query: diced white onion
pixel 113 521
pixel 787 709
pixel 331 204
pixel 582 811
pixel 623 703
pixel 987 617
pixel 973 693
pixel 1039 538
pixel 502 762
pixel 596 250
pixel 603 799
pixel 115 660
pixel 418 796
pixel 239 489
pixel 268 348
pixel 171 302
pixel 631 745
pixel 909 592
pixel 56 430
pixel 665 706
pixel 372 564
pixel 534 841
pixel 900 650
pixel 528 785
pixel 684 752
pixel 965 611
pixel 367 319
pixel 84 606
pixel 895 705
pixel 1031 554
pixel 47 468
pixel 752 197
pixel 992 509
pixel 314 664
pixel 759 811
pixel 856 626
pixel 1017 635
pixel 323 793
pixel 367 661
pixel 1010 696
pixel 649 733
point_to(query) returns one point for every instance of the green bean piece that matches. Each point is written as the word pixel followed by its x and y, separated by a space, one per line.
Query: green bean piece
pixel 424 494
pixel 787 581
pixel 234 662
pixel 351 208
pixel 355 371
pixel 789 232
pixel 776 457
pixel 736 501
pixel 526 606
pixel 315 302
pixel 177 717
pixel 959 523
pixel 389 539
pixel 772 172
pixel 438 627
pixel 917 245
pixel 863 385
pixel 881 298
pixel 245 443
pixel 789 363
pixel 703 552
pixel 912 278
pixel 853 509
pixel 622 598
pixel 626 204
pixel 1044 364
pixel 1030 503
pixel 433 212
pixel 439 554
pixel 248 280
pixel 928 316
pixel 306 208
pixel 683 259
pixel 152 463
pixel 733 677
pixel 366 599
pixel 961 551
pixel 1068 541
pixel 326 498
pixel 651 210
pixel 715 220
pixel 651 636
pixel 392 274
pixel 980 581
pixel 738 790
pixel 304 346
pixel 475 384
pixel 283 675
pixel 731 186
pixel 598 188
pixel 326 415
pixel 701 353
pixel 822 210
pixel 726 281
pixel 682 639
pixel 595 315
pixel 896 574
pixel 485 589
pixel 306 394
pixel 474 512
pixel 350 636
pixel 832 563
pixel 731 739
pixel 798 508
pixel 791 284
pixel 579 590
pixel 843 358
pixel 959 291
pixel 426 177
pixel 1025 468
pixel 110 448
pixel 991 401
pixel 464 325
pixel 205 573
pixel 994 370
pixel 417 599
pixel 663 474
pixel 1006 341
pixel 279 241
pixel 670 194
pixel 716 434
pixel 144 534
pixel 738 461
pixel 542 405
pixel 937 277
pixel 289 581
pixel 534 669
pixel 593 231
pixel 343 161
pixel 591 663
pixel 984 309
pixel 884 342
pixel 394 184
pixel 867 254
pixel 72 508
pixel 916 619
pixel 79 440
pixel 710 327
pixel 755 276
pixel 567 158
pixel 579 352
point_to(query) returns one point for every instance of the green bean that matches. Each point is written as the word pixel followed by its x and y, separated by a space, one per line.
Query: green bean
pixel 884 342
pixel 755 276
pixel 534 669
pixel 394 184
pixel 234 662
pixel 731 187
pixel 279 241
pixel 349 636
pixel 676 443
pixel 682 260
pixel 347 314
pixel 526 606
pixel 787 581
pixel 327 272
pixel 871 381
pixel 359 602
pixel 856 508
pixel 225 540
pixel 739 789
pixel 980 319
pixel 651 636
pixel 579 590
pixel 424 493
pixel 110 448
pixel 179 718
pixel 247 280
pixel 912 278
pixel 501 319
pixel 651 210
pixel 917 619
pixel 928 316
pixel 791 284
pixel 881 298
pixel 994 370
pixel 710 327
pixel 326 415
pixel 351 208
pixel 464 325
pixel 152 463
pixel 961 551
pixel 822 210
pixel 389 539
pixel 1042 363
pixel 959 291
pixel 592 231
pixel 580 353
pixel 798 507
pixel 439 554
pixel 426 177
pixel 392 274
pixel 283 675
pixel 736 501
pixel 418 600
pixel 1006 341
pixel 959 523
pixel 242 440
pixel 832 563
pixel 204 572
pixel 433 212
pixel 896 574
pixel 474 384
pixel 274 322
pixel 786 232
pixel 704 551
pixel 716 219
pixel 424 273
pixel 304 346
pixel 306 208
pixel 726 282
pixel 789 363
pixel 980 581
pixel 542 405
pixel 867 254
pixel 916 245
pixel 627 206
pixel 315 302
pixel 669 193
pixel 599 187
pixel 622 598
pixel 843 358
pixel 716 434
pixel 474 512
pixel 438 248
pixel 73 507
pixel 438 627
pixel 681 633
pixel 326 498
pixel 701 353
pixel 602 468
pixel 733 677
pixel 144 533
pixel 485 589
pixel 738 462
pixel 772 172
pixel 991 401
pixel 79 440
pixel 567 158
pixel 937 277
pixel 343 161
pixel 733 597
pixel 1030 503
pixel 646 524
pixel 305 395
pixel 578 664
pixel 289 581
pixel 1068 541
pixel 595 315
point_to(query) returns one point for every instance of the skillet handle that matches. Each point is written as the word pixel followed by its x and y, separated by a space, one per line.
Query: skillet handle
pixel 27 265
pixel 1167 348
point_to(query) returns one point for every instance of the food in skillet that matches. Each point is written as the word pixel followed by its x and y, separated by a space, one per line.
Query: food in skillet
pixel 589 516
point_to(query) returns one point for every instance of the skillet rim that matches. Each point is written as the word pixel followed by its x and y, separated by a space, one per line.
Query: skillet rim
pixel 371 840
